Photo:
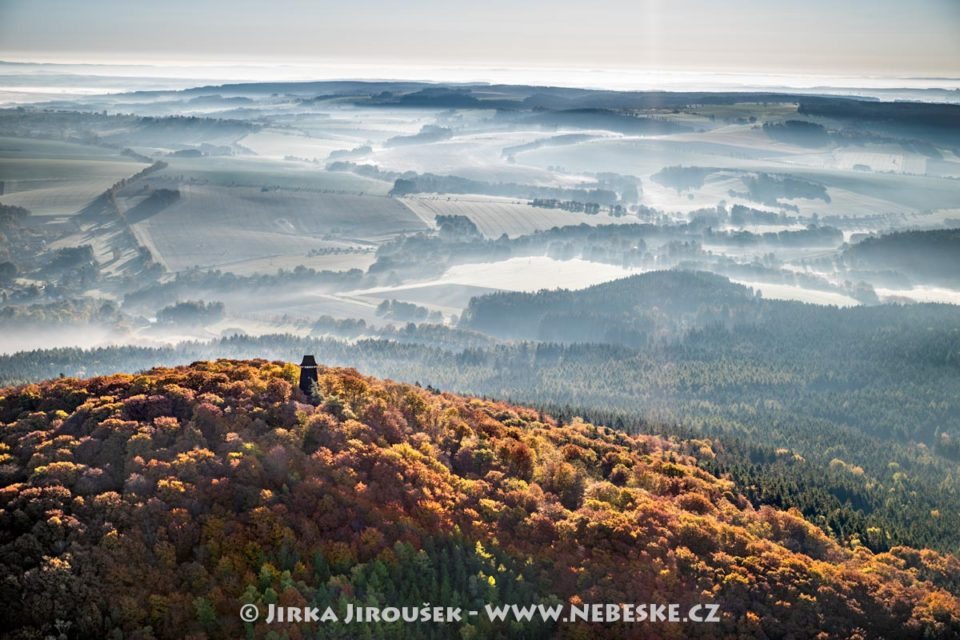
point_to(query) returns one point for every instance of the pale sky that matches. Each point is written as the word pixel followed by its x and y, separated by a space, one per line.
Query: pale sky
pixel 844 37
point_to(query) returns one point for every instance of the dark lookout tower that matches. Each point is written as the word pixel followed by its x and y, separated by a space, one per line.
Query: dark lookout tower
pixel 308 374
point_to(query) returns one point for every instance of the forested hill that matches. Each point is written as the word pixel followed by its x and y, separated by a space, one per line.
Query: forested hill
pixel 154 505
pixel 651 308
pixel 923 255
pixel 628 309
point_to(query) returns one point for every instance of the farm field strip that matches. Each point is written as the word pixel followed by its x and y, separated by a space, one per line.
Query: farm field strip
pixel 494 216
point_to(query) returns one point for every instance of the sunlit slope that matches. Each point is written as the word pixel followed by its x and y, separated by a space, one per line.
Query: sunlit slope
pixel 50 177
pixel 210 226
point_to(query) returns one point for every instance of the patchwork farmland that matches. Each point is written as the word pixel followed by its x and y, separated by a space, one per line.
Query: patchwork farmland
pixel 497 216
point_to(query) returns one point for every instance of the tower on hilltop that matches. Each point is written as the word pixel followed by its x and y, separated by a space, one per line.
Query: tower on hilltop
pixel 308 374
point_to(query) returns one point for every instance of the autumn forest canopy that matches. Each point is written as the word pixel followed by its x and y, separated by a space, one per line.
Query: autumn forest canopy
pixel 151 505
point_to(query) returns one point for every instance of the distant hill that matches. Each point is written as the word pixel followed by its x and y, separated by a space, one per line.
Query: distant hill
pixel 154 505
pixel 648 308
pixel 509 96
pixel 923 255
pixel 625 311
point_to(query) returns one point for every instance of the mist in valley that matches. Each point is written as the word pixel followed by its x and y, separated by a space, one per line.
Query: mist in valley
pixel 158 216
pixel 358 210
pixel 754 264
